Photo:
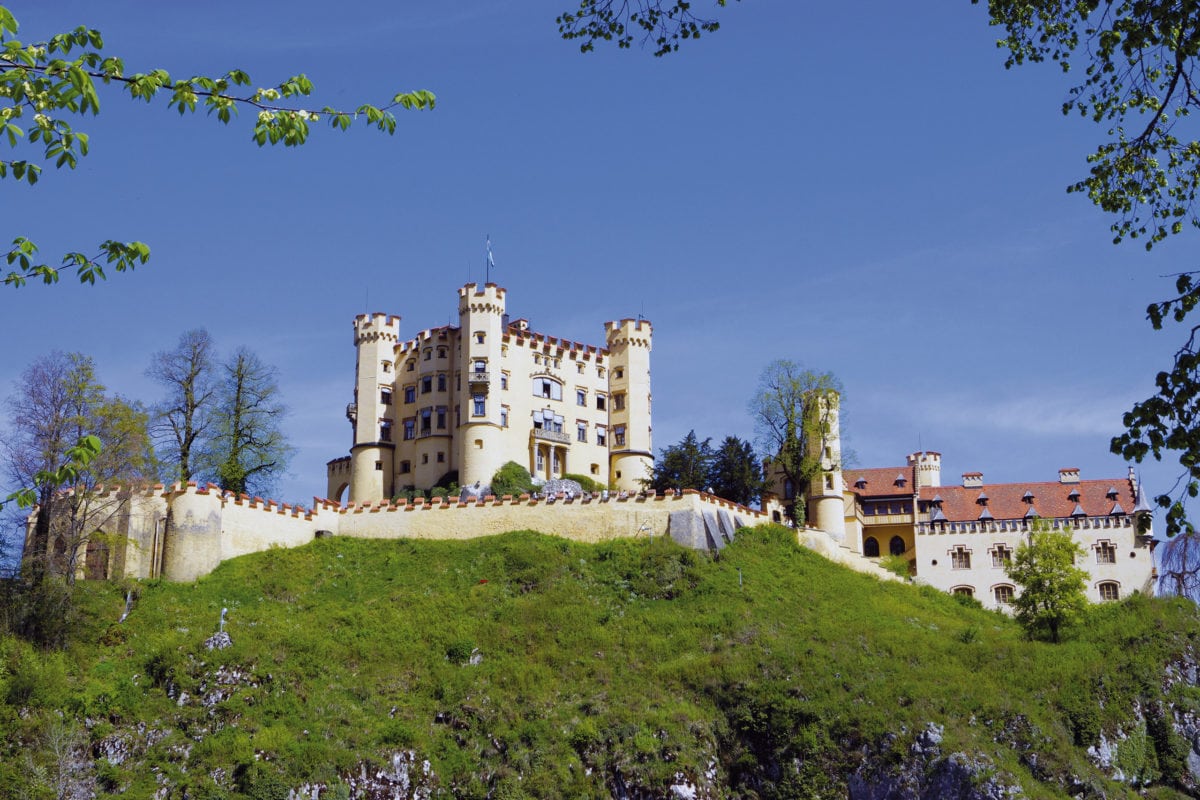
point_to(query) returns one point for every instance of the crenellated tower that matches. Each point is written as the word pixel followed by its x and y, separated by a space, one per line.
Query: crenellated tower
pixel 928 466
pixel 372 412
pixel 479 436
pixel 631 454
pixel 826 506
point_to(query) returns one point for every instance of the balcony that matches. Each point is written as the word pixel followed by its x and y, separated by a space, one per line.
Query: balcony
pixel 551 436
pixel 477 377
pixel 352 411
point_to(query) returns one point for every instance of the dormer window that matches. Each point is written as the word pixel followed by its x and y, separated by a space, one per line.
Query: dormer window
pixel 861 483
pixel 1074 495
pixel 900 480
pixel 1111 494
pixel 982 499
pixel 1028 497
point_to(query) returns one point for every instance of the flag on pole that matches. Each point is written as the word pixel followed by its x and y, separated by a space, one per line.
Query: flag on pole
pixel 491 261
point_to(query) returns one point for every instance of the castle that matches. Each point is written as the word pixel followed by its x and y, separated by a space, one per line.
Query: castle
pixel 458 402
pixel 960 538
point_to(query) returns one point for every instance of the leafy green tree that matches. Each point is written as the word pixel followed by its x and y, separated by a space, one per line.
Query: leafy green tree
pixel 248 448
pixel 1138 80
pixel 665 23
pixel 794 410
pixel 45 84
pixel 683 466
pixel 511 479
pixel 184 419
pixel 1052 587
pixel 736 471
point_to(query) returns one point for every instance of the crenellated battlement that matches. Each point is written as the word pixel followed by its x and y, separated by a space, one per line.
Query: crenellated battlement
pixel 478 300
pixel 630 332
pixel 376 327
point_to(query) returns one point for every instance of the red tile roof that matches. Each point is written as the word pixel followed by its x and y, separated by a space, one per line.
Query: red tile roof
pixel 880 481
pixel 1050 499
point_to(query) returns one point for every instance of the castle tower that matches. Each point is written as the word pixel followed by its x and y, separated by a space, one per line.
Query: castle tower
pixel 928 467
pixel 372 413
pixel 631 455
pixel 826 507
pixel 479 437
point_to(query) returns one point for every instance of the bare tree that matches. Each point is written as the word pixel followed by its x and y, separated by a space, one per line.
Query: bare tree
pixel 249 448
pixel 182 422
pixel 59 402
pixel 794 412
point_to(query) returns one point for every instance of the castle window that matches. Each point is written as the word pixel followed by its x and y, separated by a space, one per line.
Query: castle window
pixel 960 558
pixel 386 366
pixel 581 397
pixel 601 436
pixel 541 461
pixel 601 402
pixel 385 396
pixel 829 481
pixel 504 380
pixel 871 547
pixel 963 591
pixel 426 384
pixel 546 388
pixel 579 367
pixel 480 337
pixel 1109 590
pixel 618 373
pixel 426 421
pixel 480 366
pixel 581 431
pixel 556 463
pixel 479 405
pixel 410 366
pixel 379 466
pixel 896 546
pixel 1106 553
pixel 441 381
pixel 619 401
pixel 441 352
pixel 599 372
pixel 410 429
pixel 619 435
pixel 789 491
pixel 441 457
pixel 441 418
pixel 424 458
pixel 503 416
pixel 595 469
pixel 405 467
pixel 385 431
pixel 410 394
pixel 1001 555
pixel 1003 594
pixel 428 353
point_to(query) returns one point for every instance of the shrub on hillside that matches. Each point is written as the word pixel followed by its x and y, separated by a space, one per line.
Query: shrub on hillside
pixel 512 478
pixel 585 483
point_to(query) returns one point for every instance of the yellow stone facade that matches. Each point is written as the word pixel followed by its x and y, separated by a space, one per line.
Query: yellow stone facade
pixel 466 399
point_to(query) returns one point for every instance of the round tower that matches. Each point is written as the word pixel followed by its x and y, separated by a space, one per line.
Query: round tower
pixel 372 412
pixel 480 434
pixel 631 454
pixel 826 507
pixel 928 467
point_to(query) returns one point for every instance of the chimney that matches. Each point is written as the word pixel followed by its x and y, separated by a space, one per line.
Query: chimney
pixel 972 480
pixel 1068 475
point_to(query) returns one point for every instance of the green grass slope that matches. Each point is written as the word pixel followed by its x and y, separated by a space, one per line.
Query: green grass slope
pixel 529 666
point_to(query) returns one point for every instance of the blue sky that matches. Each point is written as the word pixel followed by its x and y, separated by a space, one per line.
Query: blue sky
pixel 859 187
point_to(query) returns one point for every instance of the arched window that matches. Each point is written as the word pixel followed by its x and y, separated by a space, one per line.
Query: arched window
pixel 1110 590
pixel 1004 594
pixel 896 546
pixel 871 547
pixel 964 591
pixel 546 388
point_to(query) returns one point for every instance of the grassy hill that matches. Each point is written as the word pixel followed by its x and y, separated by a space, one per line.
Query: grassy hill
pixel 529 666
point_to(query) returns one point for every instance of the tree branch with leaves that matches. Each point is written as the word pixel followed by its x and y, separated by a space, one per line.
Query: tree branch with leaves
pixel 45 83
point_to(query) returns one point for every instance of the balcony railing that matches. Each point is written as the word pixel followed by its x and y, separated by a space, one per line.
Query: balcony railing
pixel 477 377
pixel 552 436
